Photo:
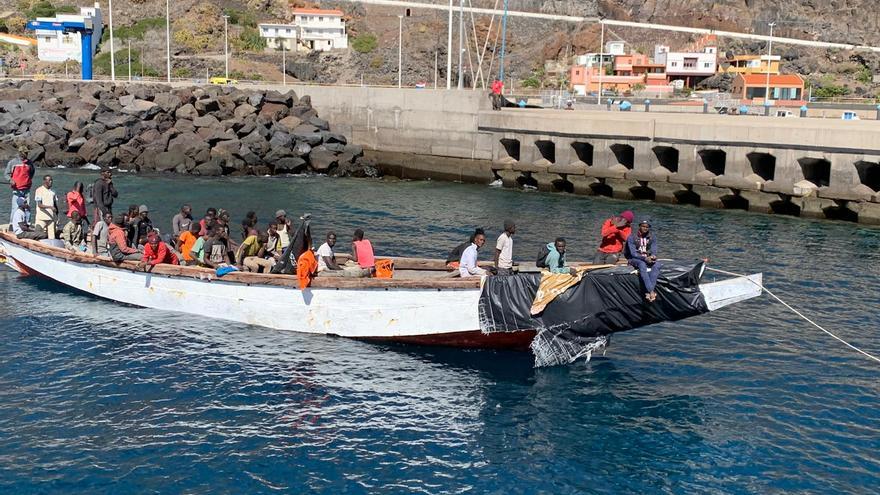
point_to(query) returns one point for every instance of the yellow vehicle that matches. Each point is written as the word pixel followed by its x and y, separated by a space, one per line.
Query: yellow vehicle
pixel 222 80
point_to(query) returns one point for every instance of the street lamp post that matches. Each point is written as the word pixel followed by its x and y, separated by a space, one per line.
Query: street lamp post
pixel 226 42
pixel 460 43
pixel 399 51
pixel 283 62
pixel 449 50
pixel 112 55
pixel 129 60
pixel 167 44
pixel 601 62
pixel 769 54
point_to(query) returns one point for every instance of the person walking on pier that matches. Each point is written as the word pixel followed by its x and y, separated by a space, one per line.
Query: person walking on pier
pixel 103 194
pixel 641 251
pixel 20 175
pixel 504 249
pixel 615 232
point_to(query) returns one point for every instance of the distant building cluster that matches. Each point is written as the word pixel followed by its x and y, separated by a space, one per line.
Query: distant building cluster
pixel 620 72
pixel 311 30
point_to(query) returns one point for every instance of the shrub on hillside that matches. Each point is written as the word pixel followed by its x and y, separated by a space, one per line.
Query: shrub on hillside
pixel 364 43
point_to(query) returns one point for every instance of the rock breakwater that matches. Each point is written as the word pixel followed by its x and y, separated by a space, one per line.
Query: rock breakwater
pixel 205 130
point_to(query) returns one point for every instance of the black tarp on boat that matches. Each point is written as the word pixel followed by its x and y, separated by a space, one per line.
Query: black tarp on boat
pixel 605 301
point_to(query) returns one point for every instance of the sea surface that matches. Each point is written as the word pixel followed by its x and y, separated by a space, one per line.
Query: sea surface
pixel 100 398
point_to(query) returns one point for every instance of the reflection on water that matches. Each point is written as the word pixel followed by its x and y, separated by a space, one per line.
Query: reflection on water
pixel 101 398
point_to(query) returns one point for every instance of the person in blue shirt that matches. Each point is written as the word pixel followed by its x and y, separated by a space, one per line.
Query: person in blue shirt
pixel 555 260
pixel 641 252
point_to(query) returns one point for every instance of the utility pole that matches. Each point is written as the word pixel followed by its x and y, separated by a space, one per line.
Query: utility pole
pixel 226 42
pixel 769 54
pixel 112 55
pixel 503 43
pixel 129 60
pixel 283 62
pixel 399 51
pixel 460 43
pixel 167 45
pixel 449 50
pixel 435 68
pixel 601 62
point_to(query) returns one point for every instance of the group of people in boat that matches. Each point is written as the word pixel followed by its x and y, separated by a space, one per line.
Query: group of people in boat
pixel 209 241
pixel 619 242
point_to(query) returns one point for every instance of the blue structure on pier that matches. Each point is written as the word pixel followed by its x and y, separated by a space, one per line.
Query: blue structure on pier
pixel 85 28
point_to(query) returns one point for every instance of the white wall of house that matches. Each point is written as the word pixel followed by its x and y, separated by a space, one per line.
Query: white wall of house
pixel 278 36
pixel 321 31
pixel 55 46
pixel 703 63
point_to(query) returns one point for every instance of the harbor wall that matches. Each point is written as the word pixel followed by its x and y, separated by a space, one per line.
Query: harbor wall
pixel 822 168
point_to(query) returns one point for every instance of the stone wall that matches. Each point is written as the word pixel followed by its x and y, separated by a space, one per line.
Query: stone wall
pixel 211 130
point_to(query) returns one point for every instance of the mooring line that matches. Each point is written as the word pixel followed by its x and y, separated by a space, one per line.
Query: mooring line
pixel 777 298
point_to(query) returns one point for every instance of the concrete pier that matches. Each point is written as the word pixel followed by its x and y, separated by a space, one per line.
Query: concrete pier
pixel 820 168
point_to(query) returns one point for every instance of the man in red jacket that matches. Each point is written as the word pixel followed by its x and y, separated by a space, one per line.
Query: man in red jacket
pixel 117 241
pixel 497 89
pixel 615 232
pixel 20 174
pixel 156 252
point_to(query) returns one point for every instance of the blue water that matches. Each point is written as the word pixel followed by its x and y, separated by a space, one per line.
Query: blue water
pixel 101 398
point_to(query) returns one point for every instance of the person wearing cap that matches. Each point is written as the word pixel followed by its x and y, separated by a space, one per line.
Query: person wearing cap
pixel 20 175
pixel 615 232
pixel 117 241
pixel 21 219
pixel 641 252
pixel 156 252
pixel 504 249
pixel 284 228
pixel 140 226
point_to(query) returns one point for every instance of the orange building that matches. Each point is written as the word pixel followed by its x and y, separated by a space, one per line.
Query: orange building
pixel 785 89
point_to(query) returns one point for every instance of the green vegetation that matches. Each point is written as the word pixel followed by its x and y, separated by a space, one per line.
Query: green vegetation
pixel 536 80
pixel 200 29
pixel 865 76
pixel 376 62
pixel 830 91
pixel 180 72
pixel 241 18
pixel 638 87
pixel 136 31
pixel 102 64
pixel 67 9
pixel 43 8
pixel 249 40
pixel 364 43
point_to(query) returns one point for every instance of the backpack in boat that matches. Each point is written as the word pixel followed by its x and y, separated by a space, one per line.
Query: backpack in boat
pixel 541 262
pixel 116 254
pixel 90 194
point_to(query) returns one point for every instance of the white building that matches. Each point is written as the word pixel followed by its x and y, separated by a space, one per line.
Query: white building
pixel 320 29
pixel 55 46
pixel 615 48
pixel 690 67
pixel 278 36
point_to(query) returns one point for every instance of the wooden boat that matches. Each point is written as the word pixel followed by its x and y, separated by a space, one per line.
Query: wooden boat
pixel 420 305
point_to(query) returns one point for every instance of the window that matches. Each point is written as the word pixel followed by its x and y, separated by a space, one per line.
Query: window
pixel 706 65
pixel 690 63
pixel 288 31
pixel 67 39
pixel 320 19
pixel 674 64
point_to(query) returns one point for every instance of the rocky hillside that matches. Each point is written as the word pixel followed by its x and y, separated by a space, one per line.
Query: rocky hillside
pixel 197 37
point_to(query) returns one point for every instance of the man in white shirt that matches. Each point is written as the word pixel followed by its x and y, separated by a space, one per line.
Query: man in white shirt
pixel 504 249
pixel 326 257
pixel 467 267
pixel 21 218
pixel 47 207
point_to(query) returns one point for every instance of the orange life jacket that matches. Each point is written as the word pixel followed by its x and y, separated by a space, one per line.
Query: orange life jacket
pixel 306 268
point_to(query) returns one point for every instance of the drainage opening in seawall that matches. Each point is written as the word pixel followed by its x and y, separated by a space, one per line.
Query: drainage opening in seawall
pixel 563 185
pixel 734 202
pixel 763 164
pixel 584 152
pixel 527 181
pixel 625 154
pixel 511 147
pixel 869 174
pixel 547 150
pixel 713 160
pixel 816 170
pixel 667 156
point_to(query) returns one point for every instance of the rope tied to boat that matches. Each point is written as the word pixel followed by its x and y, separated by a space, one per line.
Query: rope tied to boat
pixel 795 311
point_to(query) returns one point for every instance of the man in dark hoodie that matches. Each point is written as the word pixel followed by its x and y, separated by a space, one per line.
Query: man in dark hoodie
pixel 103 194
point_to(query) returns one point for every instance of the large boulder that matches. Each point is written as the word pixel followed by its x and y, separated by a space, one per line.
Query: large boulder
pixel 206 121
pixel 187 111
pixel 126 100
pixel 76 144
pixel 256 99
pixel 207 105
pixel 113 119
pixel 185 125
pixel 168 102
pixel 276 154
pixel 189 144
pixel 141 109
pixel 290 165
pixel 319 123
pixel 302 148
pixel 330 137
pixel 57 158
pixel 286 99
pixel 210 169
pixel 92 149
pixel 273 112
pixel 321 159
pixel 281 140
pixel 128 153
pixel 170 160
pixel 244 110
pixel 115 137
pixel 80 114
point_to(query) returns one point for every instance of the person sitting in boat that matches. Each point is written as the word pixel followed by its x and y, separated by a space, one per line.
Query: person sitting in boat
pixel 641 251
pixel 207 220
pixel 251 253
pixel 216 250
pixel 468 265
pixel 117 241
pixel 21 222
pixel 186 241
pixel 452 261
pixel 555 259
pixel 181 222
pixel 326 256
pixel 284 228
pixel 140 226
pixel 362 253
pixel 156 252
pixel 273 251
pixel 100 234
pixel 72 234
pixel 615 232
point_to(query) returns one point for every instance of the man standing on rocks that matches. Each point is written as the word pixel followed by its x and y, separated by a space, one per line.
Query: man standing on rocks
pixel 103 193
pixel 20 175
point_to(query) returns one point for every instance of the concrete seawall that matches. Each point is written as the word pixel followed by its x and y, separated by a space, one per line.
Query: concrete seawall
pixel 805 167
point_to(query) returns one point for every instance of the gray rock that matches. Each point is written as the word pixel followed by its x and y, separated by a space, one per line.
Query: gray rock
pixel 107 159
pixel 128 153
pixel 276 154
pixel 321 159
pixel 206 121
pixel 80 114
pixel 244 110
pixel 126 100
pixel 304 129
pixel 185 125
pixel 355 149
pixel 169 160
pixel 335 147
pixel 290 165
pixel 92 149
pixel 141 109
pixel 187 111
pixel 313 139
pixel 168 102
pixel 112 119
pixel 41 137
pixel 281 140
pixel 115 137
pixel 330 137
pixel 319 123
pixel 75 144
pixel 207 105
pixel 302 148
pixel 255 100
pixel 57 158
pixel 187 143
